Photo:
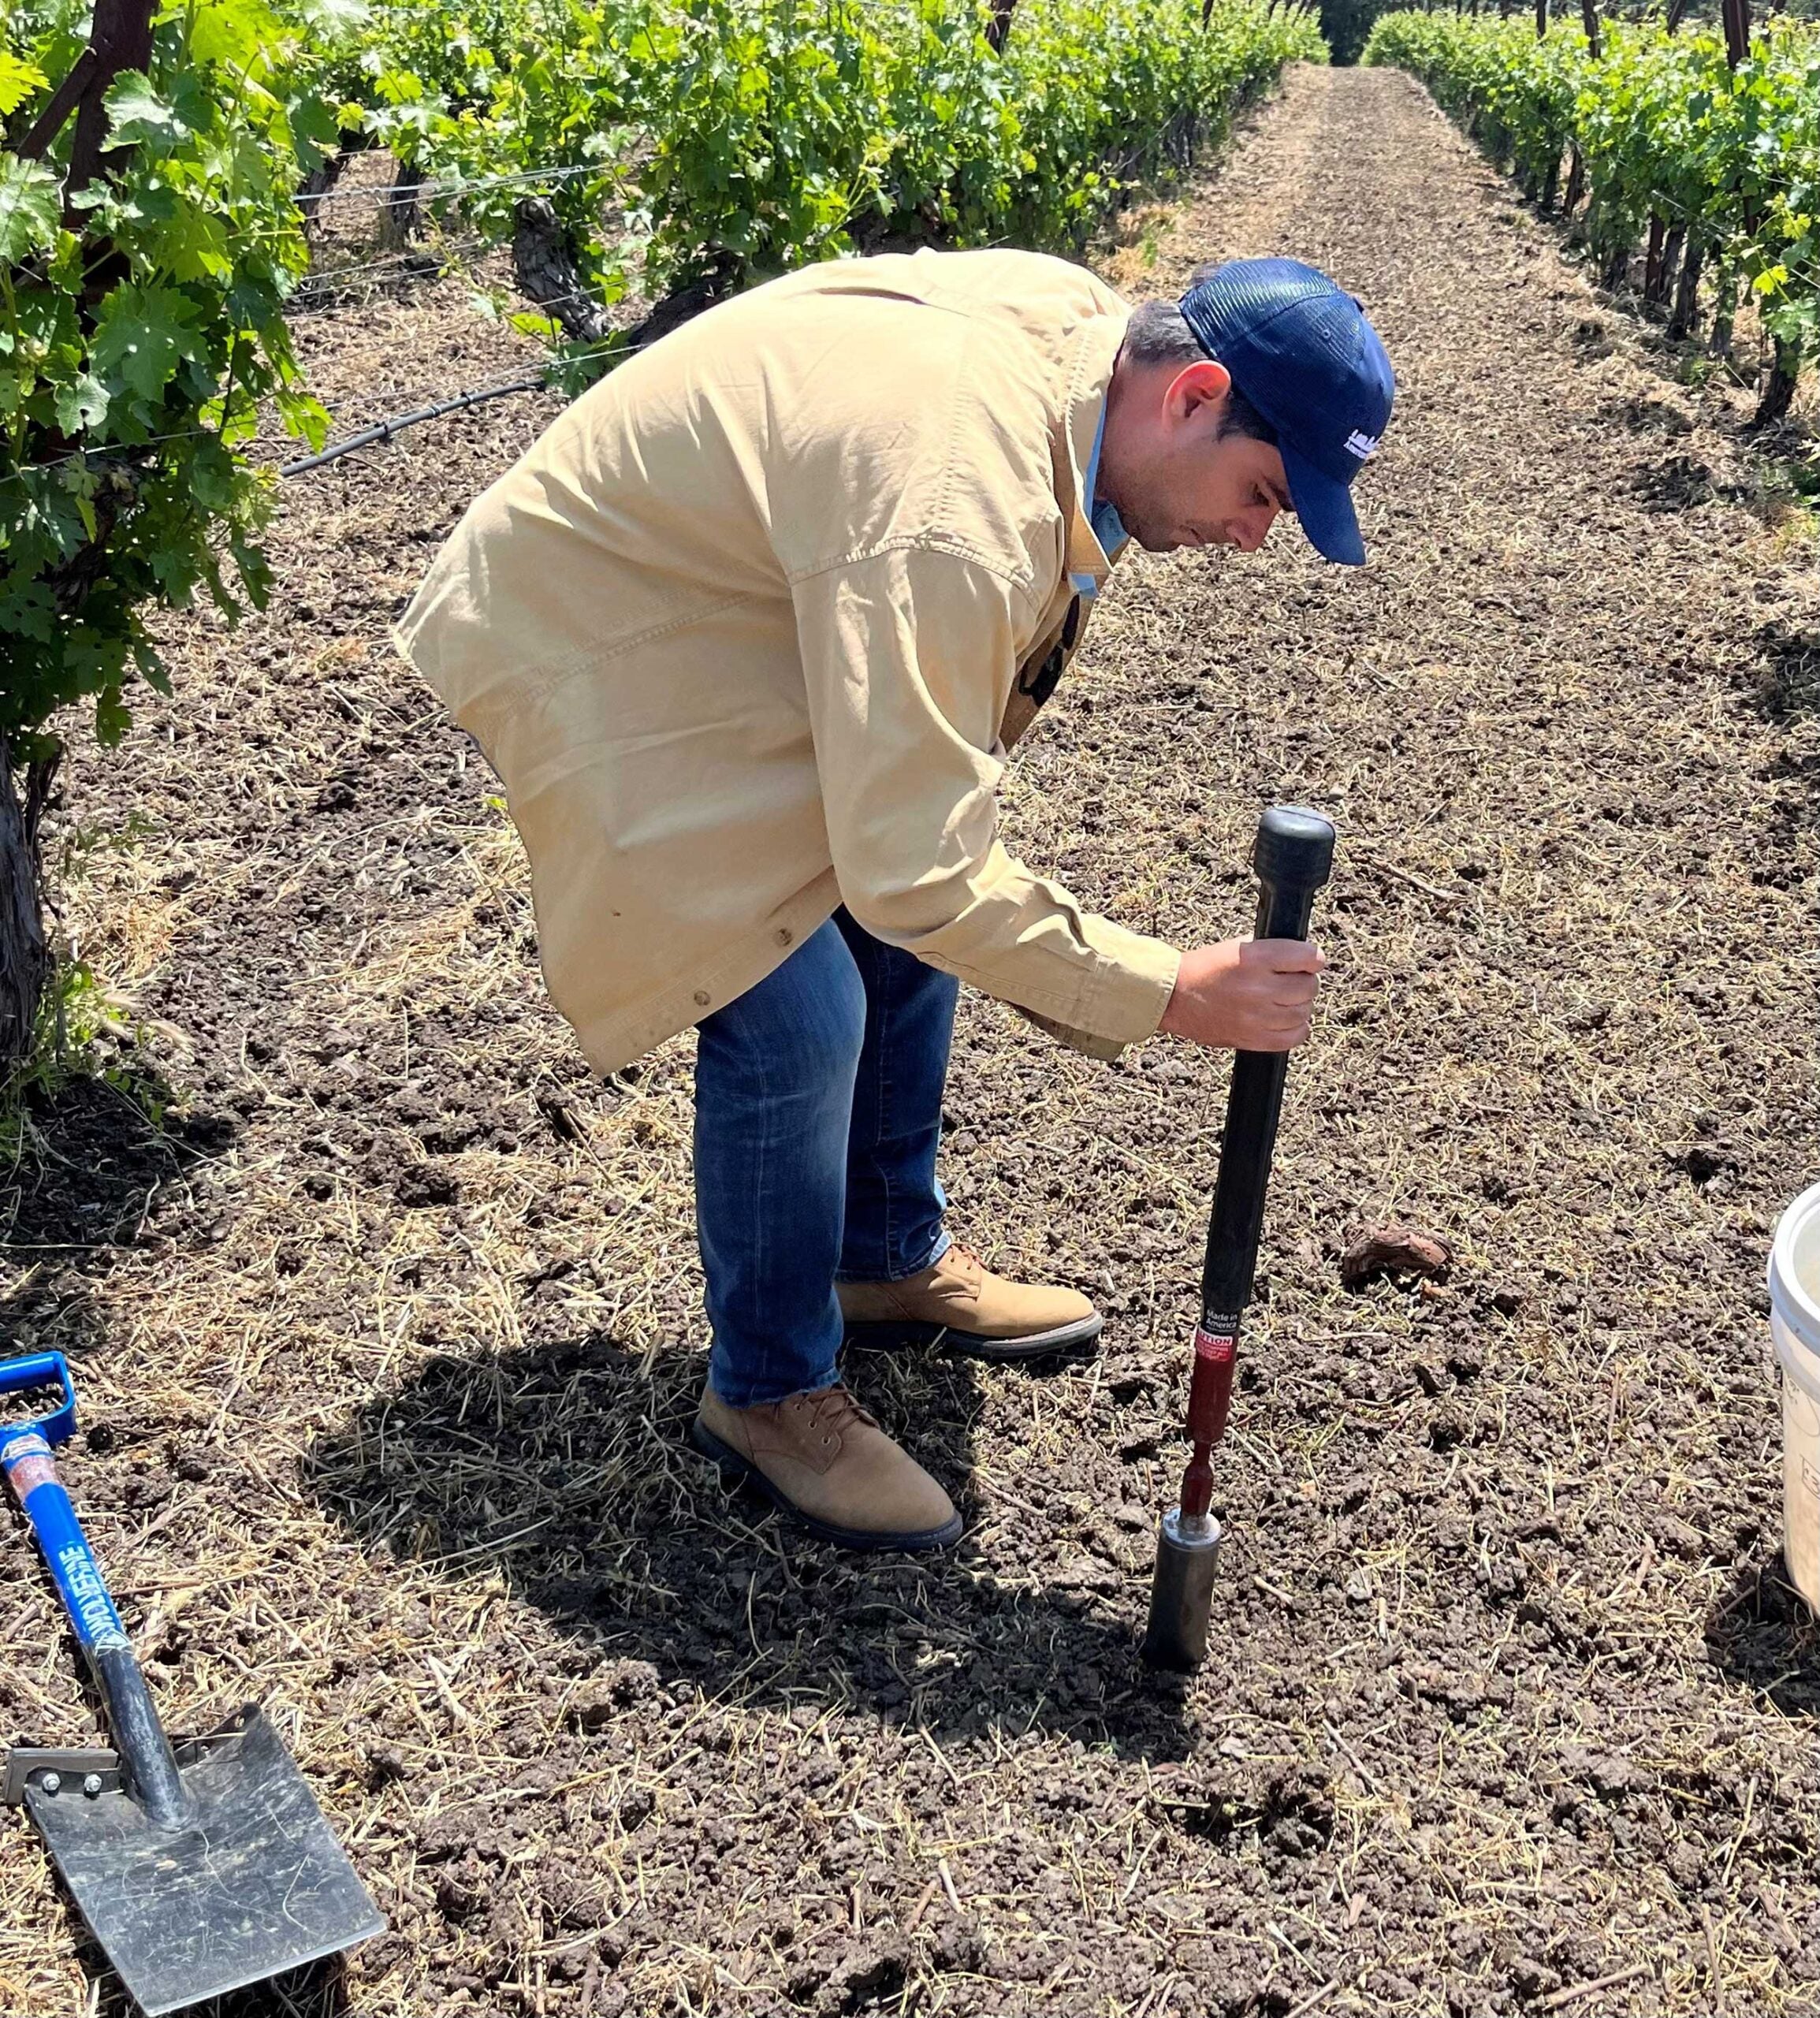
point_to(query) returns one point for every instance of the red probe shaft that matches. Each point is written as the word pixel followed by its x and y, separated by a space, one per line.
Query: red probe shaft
pixel 1209 1397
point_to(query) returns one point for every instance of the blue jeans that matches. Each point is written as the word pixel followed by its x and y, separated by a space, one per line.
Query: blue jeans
pixel 818 1107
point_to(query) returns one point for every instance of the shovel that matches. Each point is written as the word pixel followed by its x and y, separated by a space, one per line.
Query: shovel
pixel 199 1868
pixel 1293 857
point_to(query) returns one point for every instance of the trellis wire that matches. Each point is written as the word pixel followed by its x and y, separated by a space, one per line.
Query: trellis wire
pixel 102 454
pixel 431 193
pixel 365 437
pixel 318 291
pixel 394 424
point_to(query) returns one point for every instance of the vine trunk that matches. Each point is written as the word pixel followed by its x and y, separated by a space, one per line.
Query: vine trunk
pixel 25 958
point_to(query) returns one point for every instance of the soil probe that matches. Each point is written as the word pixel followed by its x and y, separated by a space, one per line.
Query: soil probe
pixel 1293 857
pixel 200 1868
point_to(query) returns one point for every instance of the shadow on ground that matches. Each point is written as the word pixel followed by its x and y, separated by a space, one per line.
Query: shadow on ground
pixel 1789 688
pixel 1762 1634
pixel 319 1991
pixel 565 1468
pixel 91 1158
pixel 87 1162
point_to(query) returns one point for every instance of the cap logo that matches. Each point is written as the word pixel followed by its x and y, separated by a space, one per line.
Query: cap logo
pixel 1363 445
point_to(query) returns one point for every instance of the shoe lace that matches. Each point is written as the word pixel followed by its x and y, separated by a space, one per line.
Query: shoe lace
pixel 835 1406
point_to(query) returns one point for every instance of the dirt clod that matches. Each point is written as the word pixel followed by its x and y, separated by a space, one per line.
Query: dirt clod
pixel 1392 1250
pixel 420 1184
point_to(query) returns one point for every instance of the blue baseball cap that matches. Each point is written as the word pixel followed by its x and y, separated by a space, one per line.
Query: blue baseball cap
pixel 1300 349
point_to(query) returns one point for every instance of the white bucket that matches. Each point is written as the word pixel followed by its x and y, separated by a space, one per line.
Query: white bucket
pixel 1794 1325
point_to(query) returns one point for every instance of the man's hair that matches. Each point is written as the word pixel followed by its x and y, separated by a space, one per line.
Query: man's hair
pixel 1157 333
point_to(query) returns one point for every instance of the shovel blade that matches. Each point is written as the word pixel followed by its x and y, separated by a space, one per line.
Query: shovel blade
pixel 255 1886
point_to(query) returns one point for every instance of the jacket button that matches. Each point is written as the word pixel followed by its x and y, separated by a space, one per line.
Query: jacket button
pixel 784 935
pixel 700 998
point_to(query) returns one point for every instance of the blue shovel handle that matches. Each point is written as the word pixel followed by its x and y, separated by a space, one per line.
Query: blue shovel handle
pixel 42 1370
pixel 30 1471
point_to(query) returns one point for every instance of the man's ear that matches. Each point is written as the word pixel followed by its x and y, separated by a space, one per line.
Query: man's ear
pixel 1196 386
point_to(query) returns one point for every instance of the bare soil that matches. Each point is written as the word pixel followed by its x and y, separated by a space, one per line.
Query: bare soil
pixel 388 1341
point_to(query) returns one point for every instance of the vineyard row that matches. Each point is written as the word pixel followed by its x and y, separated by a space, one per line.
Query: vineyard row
pixel 1707 160
pixel 158 166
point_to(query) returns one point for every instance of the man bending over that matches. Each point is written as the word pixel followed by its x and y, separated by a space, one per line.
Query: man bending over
pixel 747 634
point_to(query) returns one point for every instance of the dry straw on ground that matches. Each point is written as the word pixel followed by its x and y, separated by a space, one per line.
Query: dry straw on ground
pixel 390 1357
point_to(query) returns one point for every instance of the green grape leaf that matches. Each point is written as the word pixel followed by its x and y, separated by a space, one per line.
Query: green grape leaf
pixel 211 475
pixel 303 416
pixel 144 333
pixel 31 208
pixel 18 80
pixel 235 33
pixel 113 718
pixel 143 202
pixel 194 247
pixel 29 610
pixel 326 18
pixel 136 113
pixel 315 129
pixel 81 404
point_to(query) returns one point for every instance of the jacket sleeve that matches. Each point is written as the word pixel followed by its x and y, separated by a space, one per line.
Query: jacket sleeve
pixel 909 657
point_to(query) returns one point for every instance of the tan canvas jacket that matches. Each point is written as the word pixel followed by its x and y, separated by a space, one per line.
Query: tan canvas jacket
pixel 746 633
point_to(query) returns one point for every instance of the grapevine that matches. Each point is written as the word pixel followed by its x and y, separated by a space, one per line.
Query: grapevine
pixel 162 163
pixel 147 242
pixel 1718 162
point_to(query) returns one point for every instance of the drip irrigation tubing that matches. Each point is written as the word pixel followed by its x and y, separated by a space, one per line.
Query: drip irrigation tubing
pixel 383 430
pixel 545 381
pixel 365 437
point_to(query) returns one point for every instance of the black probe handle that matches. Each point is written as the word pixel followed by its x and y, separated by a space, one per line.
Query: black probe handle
pixel 1293 857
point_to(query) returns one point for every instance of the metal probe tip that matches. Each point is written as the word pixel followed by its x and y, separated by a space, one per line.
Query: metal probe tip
pixel 1181 1592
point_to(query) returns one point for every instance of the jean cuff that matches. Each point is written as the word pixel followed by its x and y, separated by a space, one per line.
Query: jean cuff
pixel 943 1241
pixel 759 1401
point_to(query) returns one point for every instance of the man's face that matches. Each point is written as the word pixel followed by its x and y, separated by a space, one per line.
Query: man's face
pixel 1174 478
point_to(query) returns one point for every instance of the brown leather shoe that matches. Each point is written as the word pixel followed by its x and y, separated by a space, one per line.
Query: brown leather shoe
pixel 978 1313
pixel 823 1458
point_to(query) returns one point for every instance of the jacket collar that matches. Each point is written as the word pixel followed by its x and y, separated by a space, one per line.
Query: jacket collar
pixel 1094 352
